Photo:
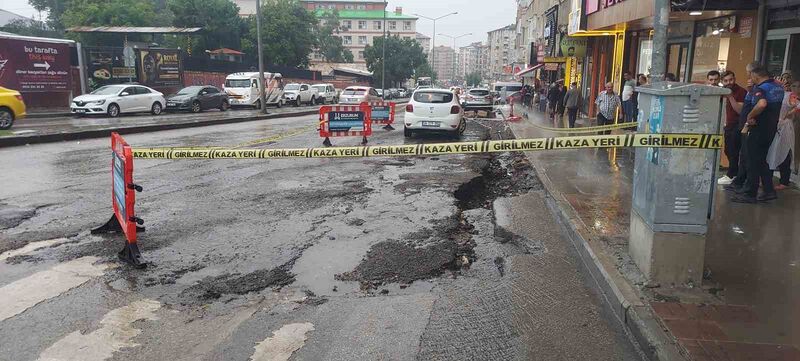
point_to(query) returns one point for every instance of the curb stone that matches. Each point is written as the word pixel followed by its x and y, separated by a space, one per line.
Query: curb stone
pixel 624 301
pixel 103 133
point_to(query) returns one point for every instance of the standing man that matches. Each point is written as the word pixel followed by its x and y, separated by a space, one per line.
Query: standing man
pixel 607 104
pixel 572 101
pixel 733 135
pixel 762 124
pixel 712 78
pixel 629 108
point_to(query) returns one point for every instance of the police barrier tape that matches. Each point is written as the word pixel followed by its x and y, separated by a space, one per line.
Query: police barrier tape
pixel 672 140
pixel 588 129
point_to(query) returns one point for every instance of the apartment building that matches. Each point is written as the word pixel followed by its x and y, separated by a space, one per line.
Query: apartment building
pixel 363 22
pixel 502 53
pixel 469 59
pixel 425 42
pixel 445 64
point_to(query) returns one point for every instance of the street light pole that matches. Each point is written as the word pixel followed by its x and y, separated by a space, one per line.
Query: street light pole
pixel 454 48
pixel 433 47
pixel 383 55
pixel 261 86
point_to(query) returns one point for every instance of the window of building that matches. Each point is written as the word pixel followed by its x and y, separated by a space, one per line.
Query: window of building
pixel 347 40
pixel 392 25
pixel 377 25
pixel 362 24
pixel 407 37
pixel 362 40
pixel 349 6
pixel 361 54
pixel 361 7
pixel 331 7
pixel 347 24
pixel 406 25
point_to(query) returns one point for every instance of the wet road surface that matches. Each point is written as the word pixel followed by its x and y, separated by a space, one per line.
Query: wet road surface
pixel 425 258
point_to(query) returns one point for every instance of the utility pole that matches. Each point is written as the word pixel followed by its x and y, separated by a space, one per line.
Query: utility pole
pixel 261 86
pixel 433 47
pixel 660 26
pixel 383 53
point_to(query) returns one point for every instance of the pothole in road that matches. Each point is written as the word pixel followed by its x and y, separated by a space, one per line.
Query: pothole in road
pixel 423 255
pixel 503 175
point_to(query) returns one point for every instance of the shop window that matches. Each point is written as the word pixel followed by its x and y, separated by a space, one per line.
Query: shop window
pixel 720 46
pixel 776 55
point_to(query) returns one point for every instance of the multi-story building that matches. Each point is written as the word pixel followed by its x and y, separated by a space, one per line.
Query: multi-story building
pixel 425 42
pixel 469 59
pixel 501 53
pixel 363 21
pixel 445 63
pixel 246 7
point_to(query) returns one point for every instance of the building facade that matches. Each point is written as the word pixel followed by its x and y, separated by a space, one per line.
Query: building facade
pixel 363 21
pixel 469 59
pixel 501 53
pixel 445 63
pixel 425 42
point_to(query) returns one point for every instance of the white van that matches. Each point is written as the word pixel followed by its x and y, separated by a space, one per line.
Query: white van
pixel 243 89
pixel 505 88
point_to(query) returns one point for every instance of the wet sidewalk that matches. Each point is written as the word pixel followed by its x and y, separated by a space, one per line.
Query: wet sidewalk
pixel 748 307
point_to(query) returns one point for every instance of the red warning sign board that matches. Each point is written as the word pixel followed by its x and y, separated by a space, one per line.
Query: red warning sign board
pixel 123 198
pixel 345 120
pixel 32 66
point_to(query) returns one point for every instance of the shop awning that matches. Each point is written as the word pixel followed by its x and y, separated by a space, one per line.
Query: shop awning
pixel 528 73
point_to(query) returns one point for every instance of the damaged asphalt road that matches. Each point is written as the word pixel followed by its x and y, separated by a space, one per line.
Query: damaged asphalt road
pixel 412 258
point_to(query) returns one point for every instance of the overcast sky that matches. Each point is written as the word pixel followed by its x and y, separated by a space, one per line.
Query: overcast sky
pixel 477 17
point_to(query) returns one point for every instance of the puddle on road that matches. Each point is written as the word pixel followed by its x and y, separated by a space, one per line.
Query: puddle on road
pixel 116 332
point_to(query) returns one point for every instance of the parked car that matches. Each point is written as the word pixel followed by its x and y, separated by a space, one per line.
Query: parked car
pixel 434 110
pixel 395 93
pixel 12 107
pixel 358 95
pixel 327 93
pixel 114 100
pixel 478 99
pixel 380 93
pixel 243 89
pixel 298 94
pixel 403 93
pixel 198 98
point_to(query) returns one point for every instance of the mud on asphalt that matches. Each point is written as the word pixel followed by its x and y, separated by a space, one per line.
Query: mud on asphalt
pixel 447 245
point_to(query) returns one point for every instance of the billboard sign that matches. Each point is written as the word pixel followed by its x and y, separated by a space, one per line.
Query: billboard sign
pixel 32 66
pixel 574 46
pixel 107 66
pixel 345 121
pixel 160 67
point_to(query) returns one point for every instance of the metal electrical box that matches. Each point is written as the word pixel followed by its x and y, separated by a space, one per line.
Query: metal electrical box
pixel 672 188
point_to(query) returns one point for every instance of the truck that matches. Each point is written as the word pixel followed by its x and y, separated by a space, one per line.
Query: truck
pixel 298 94
pixel 243 89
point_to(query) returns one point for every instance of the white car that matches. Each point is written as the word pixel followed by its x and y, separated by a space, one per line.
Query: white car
pixel 327 93
pixel 358 95
pixel 434 110
pixel 298 94
pixel 114 100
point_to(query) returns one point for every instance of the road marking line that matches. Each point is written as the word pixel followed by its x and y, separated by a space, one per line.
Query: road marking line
pixel 18 296
pixel 283 343
pixel 32 247
pixel 115 333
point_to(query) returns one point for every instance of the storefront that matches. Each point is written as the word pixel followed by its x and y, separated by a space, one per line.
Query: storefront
pixel 782 55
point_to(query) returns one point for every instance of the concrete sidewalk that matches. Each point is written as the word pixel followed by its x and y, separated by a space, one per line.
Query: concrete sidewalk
pixel 748 308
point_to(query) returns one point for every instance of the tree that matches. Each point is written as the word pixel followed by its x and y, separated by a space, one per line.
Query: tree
pixel 111 13
pixel 474 78
pixel 29 28
pixel 287 33
pixel 403 56
pixel 54 9
pixel 219 19
pixel 329 44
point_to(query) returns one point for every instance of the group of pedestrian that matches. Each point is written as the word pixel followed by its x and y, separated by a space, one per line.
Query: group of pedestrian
pixel 759 132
